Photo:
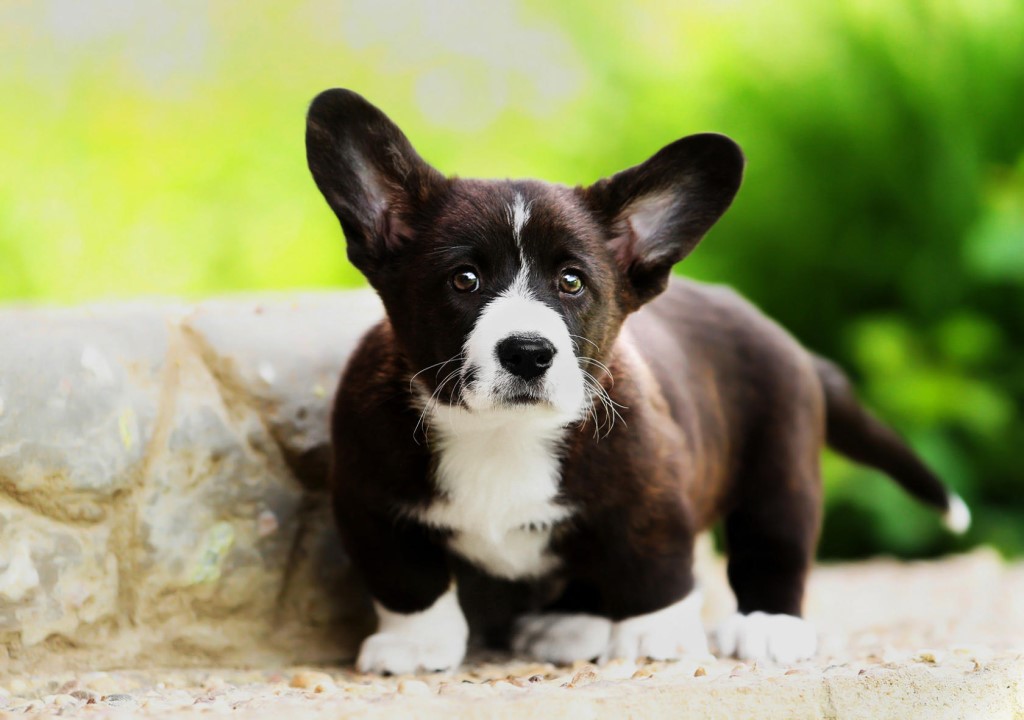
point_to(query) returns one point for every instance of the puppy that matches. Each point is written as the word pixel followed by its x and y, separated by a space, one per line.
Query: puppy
pixel 545 404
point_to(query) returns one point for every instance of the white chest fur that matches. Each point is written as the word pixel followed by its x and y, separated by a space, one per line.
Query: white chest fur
pixel 498 475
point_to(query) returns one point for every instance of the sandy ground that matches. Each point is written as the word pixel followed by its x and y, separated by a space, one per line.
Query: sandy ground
pixel 939 639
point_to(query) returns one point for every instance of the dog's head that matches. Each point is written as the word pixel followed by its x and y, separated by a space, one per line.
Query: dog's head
pixel 510 293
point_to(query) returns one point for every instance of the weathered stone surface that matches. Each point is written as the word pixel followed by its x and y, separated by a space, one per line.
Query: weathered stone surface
pixel 56 578
pixel 161 482
pixel 79 399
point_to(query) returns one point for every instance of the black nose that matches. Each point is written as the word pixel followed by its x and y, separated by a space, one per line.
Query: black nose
pixel 525 356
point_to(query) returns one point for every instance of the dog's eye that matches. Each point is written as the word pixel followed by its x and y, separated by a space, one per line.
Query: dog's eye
pixel 465 280
pixel 570 283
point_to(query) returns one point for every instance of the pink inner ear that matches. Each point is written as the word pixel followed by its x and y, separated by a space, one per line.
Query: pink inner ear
pixel 623 244
pixel 638 225
pixel 648 214
pixel 391 229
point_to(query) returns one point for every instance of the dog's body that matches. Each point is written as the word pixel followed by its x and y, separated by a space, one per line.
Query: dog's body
pixel 538 406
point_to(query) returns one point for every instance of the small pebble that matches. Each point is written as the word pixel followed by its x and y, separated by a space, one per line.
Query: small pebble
pixel 312 680
pixel 583 677
pixel 929 656
pixel 643 673
pixel 700 672
pixel 506 685
pixel 120 700
pixel 414 688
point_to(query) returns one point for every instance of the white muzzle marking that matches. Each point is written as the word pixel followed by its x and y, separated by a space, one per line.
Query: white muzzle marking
pixel 517 312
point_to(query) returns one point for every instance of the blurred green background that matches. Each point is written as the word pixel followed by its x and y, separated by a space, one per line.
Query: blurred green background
pixel 157 148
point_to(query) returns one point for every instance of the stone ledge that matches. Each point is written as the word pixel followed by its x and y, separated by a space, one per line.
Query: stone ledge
pixel 161 477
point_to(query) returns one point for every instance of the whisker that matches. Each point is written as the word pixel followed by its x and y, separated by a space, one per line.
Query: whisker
pixel 456 356
pixel 610 406
pixel 431 401
pixel 601 365
pixel 586 339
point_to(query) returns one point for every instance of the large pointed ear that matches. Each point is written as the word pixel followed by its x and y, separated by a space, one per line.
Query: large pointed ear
pixel 369 173
pixel 657 212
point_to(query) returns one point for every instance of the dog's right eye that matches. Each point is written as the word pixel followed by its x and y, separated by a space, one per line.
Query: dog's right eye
pixel 466 280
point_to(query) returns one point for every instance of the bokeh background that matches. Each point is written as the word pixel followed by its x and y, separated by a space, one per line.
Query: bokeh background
pixel 157 149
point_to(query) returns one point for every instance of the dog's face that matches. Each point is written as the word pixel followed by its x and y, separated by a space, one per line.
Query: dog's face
pixel 504 294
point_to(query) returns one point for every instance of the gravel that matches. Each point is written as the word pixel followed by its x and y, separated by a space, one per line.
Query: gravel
pixel 938 639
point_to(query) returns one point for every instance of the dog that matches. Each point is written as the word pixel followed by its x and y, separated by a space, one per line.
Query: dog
pixel 545 404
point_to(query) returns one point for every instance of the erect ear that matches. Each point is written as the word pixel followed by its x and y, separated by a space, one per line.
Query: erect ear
pixel 655 213
pixel 369 173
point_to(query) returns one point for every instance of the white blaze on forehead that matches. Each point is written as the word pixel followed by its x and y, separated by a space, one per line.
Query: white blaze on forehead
pixel 518 213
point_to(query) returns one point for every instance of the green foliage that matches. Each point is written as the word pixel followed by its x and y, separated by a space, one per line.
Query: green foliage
pixel 152 150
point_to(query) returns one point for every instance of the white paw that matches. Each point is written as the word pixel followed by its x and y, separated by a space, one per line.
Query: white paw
pixel 432 640
pixel 398 655
pixel 561 638
pixel 782 639
pixel 666 634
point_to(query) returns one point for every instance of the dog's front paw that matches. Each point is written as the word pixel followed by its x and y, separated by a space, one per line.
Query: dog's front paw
pixel 432 640
pixel 561 638
pixel 389 653
pixel 666 634
pixel 782 639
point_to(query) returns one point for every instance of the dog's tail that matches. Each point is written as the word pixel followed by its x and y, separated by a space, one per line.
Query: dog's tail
pixel 854 432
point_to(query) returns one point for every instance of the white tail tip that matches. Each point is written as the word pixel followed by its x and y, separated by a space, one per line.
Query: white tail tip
pixel 958 517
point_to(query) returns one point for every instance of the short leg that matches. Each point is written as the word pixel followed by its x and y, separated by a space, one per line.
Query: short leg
pixel 493 605
pixel 566 630
pixel 770 537
pixel 665 633
pixel 668 633
pixel 561 637
pixel 420 623
pixel 432 639
pixel 637 598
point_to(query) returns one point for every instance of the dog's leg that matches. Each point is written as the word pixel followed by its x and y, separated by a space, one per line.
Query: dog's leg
pixel 567 630
pixel 770 537
pixel 420 623
pixel 638 599
pixel 668 633
pixel 661 633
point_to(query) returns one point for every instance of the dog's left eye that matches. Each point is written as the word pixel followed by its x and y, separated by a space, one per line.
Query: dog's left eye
pixel 465 280
pixel 570 283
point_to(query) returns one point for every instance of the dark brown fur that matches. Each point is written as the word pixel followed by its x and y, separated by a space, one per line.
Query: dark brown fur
pixel 724 413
